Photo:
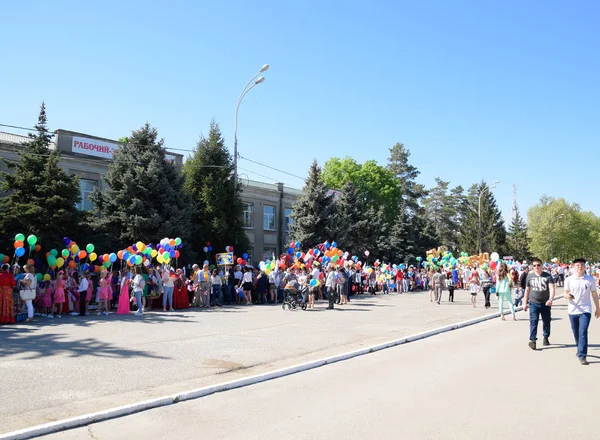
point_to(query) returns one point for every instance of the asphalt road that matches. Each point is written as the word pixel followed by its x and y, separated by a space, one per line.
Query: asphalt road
pixel 56 369
pixel 480 382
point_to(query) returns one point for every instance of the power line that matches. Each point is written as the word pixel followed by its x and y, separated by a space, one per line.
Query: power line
pixel 270 167
pixel 51 133
pixel 252 172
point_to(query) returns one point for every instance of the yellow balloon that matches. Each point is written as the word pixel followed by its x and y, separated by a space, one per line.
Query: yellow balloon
pixel 160 259
pixel 93 256
pixel 74 249
pixel 154 253
pixel 47 277
pixel 59 262
pixel 140 246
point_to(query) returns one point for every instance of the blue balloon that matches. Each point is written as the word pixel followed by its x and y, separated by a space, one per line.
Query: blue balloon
pixel 172 254
pixel 66 241
pixel 290 251
pixel 167 247
pixel 19 252
pixel 298 254
pixel 126 255
pixel 245 256
pixel 327 245
pixel 334 244
pixel 316 253
pixel 313 282
pixel 113 257
pixel 76 259
pixel 297 245
pixel 85 267
pixel 132 259
pixel 210 249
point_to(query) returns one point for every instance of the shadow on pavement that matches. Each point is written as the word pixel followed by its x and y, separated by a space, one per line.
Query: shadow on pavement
pixel 27 341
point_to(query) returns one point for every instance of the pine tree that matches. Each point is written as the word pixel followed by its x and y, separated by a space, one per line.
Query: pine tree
pixel 144 199
pixel 41 196
pixel 401 245
pixel 517 239
pixel 406 173
pixel 216 202
pixel 491 231
pixel 313 212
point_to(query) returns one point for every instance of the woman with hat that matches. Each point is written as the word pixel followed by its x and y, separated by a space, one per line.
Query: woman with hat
pixel 28 286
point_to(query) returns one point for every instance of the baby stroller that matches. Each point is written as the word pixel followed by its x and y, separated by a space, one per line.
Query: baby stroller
pixel 294 296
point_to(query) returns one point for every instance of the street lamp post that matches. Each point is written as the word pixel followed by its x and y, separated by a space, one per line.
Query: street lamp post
pixel 479 209
pixel 245 90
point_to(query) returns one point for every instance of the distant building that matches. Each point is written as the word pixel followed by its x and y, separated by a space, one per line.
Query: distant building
pixel 267 207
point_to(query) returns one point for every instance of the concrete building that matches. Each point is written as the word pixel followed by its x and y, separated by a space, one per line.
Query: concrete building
pixel 267 217
pixel 267 207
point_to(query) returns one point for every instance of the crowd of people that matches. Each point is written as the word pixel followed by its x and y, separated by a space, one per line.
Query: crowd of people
pixel 138 289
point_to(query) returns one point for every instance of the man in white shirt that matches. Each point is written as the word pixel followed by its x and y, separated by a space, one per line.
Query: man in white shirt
pixel 580 289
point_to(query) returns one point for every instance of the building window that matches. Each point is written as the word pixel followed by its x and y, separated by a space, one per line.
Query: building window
pixel 269 218
pixel 268 254
pixel 248 215
pixel 289 220
pixel 86 187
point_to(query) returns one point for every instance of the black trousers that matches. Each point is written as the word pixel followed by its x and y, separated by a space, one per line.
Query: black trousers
pixel 331 297
pixel 486 294
pixel 451 292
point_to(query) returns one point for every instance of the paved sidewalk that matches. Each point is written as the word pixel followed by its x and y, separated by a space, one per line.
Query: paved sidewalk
pixel 480 382
pixel 56 369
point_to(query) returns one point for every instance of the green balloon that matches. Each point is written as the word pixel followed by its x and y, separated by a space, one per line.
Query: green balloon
pixel 90 248
pixel 39 276
pixel 54 252
pixel 51 260
pixel 65 253
pixel 32 240
pixel 107 264
pixel 138 259
pixel 19 237
pixel 178 241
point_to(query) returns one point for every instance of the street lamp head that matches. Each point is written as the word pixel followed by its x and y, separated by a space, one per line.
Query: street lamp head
pixel 259 80
pixel 264 68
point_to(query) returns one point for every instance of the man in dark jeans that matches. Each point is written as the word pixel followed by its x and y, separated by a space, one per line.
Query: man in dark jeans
pixel 539 294
pixel 230 277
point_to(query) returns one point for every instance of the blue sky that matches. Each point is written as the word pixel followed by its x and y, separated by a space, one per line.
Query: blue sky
pixel 474 89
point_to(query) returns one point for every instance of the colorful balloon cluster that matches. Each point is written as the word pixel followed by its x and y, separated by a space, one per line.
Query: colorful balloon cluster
pixel 142 254
pixel 20 243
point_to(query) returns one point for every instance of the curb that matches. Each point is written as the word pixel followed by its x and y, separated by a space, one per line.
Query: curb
pixel 112 413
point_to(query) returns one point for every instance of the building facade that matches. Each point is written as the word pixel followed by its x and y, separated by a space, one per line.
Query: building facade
pixel 267 217
pixel 267 207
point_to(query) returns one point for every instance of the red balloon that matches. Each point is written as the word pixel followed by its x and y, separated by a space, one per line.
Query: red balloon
pixel 310 251
pixel 176 254
pixel 492 265
pixel 293 245
pixel 240 261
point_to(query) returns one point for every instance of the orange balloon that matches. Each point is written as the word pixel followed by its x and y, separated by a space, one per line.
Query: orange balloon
pixel 30 261
pixel 6 258
pixel 129 263
pixel 106 258
pixel 72 264
pixel 172 243
pixel 18 244
pixel 120 255
pixel 38 247
pixel 340 253
pixel 47 255
pixel 82 254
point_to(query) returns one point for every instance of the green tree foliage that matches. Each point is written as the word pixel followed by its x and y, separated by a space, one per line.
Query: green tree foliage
pixel 374 183
pixel 41 196
pixel 359 226
pixel 144 198
pixel 442 208
pixel 491 231
pixel 560 229
pixel 411 191
pixel 314 220
pixel 401 246
pixel 517 241
pixel 216 202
